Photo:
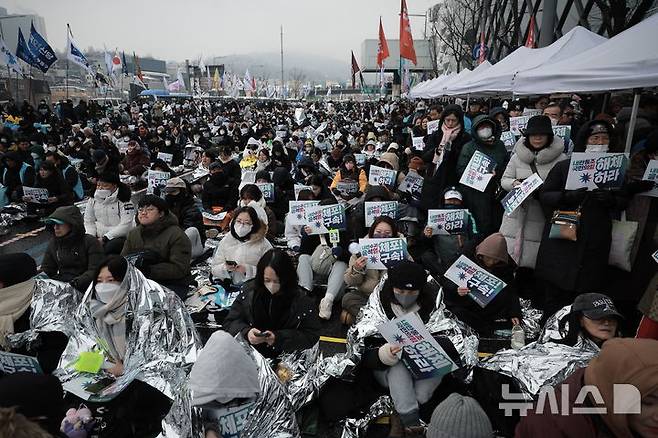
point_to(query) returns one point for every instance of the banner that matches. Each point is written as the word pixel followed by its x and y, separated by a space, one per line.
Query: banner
pixel 479 172
pixel 360 159
pixel 651 174
pixel 531 112
pixel 509 140
pixel 268 191
pixel 447 222
pixel 322 218
pixel 42 54
pixel 11 363
pixel 518 124
pixel 381 176
pixel 297 211
pixel 76 56
pixel 348 187
pixel 383 253
pixel 421 354
pixel 412 183
pixel 418 143
pixel 384 208
pixel 520 193
pixel 596 170
pixel 167 158
pixel 299 188
pixel 37 195
pixel 433 126
pixel 156 180
pixel 229 420
pixel 483 286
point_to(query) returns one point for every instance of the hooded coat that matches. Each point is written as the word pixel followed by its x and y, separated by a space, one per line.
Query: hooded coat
pixel 11 177
pixel 75 257
pixel 112 217
pixel 523 228
pixel 484 207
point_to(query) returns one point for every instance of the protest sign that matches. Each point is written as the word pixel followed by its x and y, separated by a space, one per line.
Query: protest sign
pixel 11 363
pixel 156 181
pixel 360 159
pixel 596 170
pixel 267 189
pixel 655 256
pixel 412 182
pixel 651 174
pixel 518 194
pixel 248 177
pixel 483 286
pixel 380 176
pixel 383 253
pixel 421 354
pixel 479 172
pixel 34 194
pixel 433 126
pixel 531 112
pixel 299 188
pixel 167 158
pixel 100 387
pixel 518 124
pixel 509 140
pixel 564 132
pixel 384 208
pixel 418 143
pixel 348 187
pixel 297 211
pixel 447 222
pixel 281 134
pixel 230 420
pixel 322 218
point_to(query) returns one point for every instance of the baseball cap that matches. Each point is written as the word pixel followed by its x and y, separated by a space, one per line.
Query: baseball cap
pixel 453 193
pixel 595 306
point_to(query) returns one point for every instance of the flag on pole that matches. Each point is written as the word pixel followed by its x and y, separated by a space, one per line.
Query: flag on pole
pixel 382 47
pixel 180 80
pixel 248 82
pixel 216 81
pixel 407 50
pixel 75 55
pixel 117 66
pixel 22 51
pixel 355 69
pixel 43 56
pixel 108 62
pixel 483 49
pixel 530 40
pixel 138 70
pixel 8 58
pixel 124 64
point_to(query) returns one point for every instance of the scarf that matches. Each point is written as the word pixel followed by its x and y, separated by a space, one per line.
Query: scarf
pixel 449 134
pixel 111 322
pixel 14 303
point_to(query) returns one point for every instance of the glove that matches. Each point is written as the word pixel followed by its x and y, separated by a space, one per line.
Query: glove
pixel 336 251
pixel 575 196
pixel 635 187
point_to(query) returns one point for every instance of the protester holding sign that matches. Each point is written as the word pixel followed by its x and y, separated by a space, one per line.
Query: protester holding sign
pixel 346 174
pixel 59 192
pixel 536 152
pixel 15 175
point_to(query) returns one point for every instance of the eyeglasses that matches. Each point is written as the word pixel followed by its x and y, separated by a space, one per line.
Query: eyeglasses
pixel 146 210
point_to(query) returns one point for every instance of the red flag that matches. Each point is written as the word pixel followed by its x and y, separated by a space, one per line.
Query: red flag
pixel 530 40
pixel 406 40
pixel 138 69
pixel 355 69
pixel 382 48
pixel 483 50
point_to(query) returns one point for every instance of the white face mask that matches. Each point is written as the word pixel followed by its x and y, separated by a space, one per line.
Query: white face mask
pixel 597 148
pixel 244 131
pixel 126 139
pixel 554 122
pixel 485 133
pixel 102 194
pixel 52 148
pixel 106 291
pixel 168 142
pixel 242 230
pixel 273 287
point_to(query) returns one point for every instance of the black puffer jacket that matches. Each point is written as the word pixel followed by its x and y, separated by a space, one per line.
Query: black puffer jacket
pixel 186 211
pixel 75 257
pixel 218 192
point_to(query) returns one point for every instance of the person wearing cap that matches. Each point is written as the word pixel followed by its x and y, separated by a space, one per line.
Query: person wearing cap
pixel 536 152
pixel 59 192
pixel 136 161
pixel 459 416
pixel 593 316
pixel 347 178
pixel 567 268
pixel 182 204
pixel 217 191
pixel 405 291
pixel 110 213
pixel 72 256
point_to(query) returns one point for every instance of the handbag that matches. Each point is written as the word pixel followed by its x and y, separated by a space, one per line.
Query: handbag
pixel 621 244
pixel 564 225
pixel 322 258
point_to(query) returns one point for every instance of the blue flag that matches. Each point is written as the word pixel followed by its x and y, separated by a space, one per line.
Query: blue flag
pixel 22 51
pixel 43 55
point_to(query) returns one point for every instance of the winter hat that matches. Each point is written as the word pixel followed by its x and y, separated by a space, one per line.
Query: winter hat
pixel 392 159
pixel 16 268
pixel 459 416
pixel 371 136
pixel 416 163
pixel 349 157
pixel 495 247
pixel 407 275
pixel 538 125
pixel 98 156
pixel 110 177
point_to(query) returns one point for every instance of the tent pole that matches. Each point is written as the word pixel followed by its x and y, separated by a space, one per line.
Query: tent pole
pixel 468 99
pixel 631 123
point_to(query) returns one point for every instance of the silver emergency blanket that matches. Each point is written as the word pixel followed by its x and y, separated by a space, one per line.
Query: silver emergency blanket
pixel 272 415
pixel 544 362
pixel 531 319
pixel 356 427
pixel 11 214
pixel 300 374
pixel 372 315
pixel 161 346
pixel 53 306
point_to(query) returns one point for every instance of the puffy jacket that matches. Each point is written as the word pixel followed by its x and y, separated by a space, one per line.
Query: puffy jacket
pixel 111 217
pixel 246 253
pixel 186 211
pixel 75 257
pixel 217 192
pixel 365 282
pixel 527 221
pixel 136 163
pixel 171 244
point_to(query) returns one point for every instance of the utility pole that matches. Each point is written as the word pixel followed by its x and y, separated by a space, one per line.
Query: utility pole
pixel 548 16
pixel 282 83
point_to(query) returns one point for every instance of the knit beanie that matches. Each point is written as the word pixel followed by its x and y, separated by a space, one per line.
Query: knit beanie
pixel 459 417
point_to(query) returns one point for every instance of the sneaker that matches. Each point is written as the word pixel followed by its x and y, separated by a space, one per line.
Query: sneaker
pixel 326 304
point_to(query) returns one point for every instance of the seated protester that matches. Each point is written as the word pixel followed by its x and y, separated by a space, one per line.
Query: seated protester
pixel 320 188
pixel 229 166
pixel 207 158
pixel 217 192
pixel 102 163
pixel 72 256
pixel 335 158
pixel 484 206
pixel 365 280
pixel 71 176
pixel 389 160
pixel 370 151
pixel 15 175
pixel 324 261
pixel 357 218
pixel 160 249
pixel 170 148
pixel 238 253
pixel 621 361
pixel 459 416
pixel 264 162
pixel 306 169
pixel 161 166
pixel 448 248
pixel 349 173
pixel 320 162
pixel 136 161
pixel 109 214
pixel 500 115
pixel 280 204
pixel 283 182
pixel 405 290
pixel 59 192
pixel 293 233
pixel 250 193
pixel 279 156
pixel 272 313
pixel 592 316
pixel 492 256
pixel 182 204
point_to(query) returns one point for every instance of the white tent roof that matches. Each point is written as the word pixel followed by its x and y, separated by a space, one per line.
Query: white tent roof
pixel 437 89
pixel 416 90
pixel 627 60
pixel 430 85
pixel 499 78
pixel 447 90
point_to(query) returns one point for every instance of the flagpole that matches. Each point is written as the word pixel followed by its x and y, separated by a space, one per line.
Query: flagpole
pixel 29 90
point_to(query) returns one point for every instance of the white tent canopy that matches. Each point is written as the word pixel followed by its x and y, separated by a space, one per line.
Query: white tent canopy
pixel 628 60
pixel 416 90
pixel 479 70
pixel 436 90
pixel 499 78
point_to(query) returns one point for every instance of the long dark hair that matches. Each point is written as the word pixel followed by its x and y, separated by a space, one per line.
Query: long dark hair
pixel 284 267
pixel 254 220
pixel 387 220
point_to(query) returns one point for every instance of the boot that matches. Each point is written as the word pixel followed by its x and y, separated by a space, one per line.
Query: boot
pixel 397 430
pixel 346 318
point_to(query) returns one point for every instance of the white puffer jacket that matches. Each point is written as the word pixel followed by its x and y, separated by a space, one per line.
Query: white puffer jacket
pixel 527 221
pixel 246 254
pixel 110 218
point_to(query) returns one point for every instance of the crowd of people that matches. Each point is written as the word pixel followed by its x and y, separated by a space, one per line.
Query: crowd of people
pixel 232 168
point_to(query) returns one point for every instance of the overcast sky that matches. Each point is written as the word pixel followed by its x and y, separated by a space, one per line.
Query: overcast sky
pixel 179 29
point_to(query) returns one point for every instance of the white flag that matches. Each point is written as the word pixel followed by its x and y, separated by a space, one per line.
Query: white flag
pixel 248 83
pixel 75 55
pixel 181 81
pixel 8 58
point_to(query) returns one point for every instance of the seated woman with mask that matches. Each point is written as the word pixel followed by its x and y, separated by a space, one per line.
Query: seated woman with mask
pixel 272 313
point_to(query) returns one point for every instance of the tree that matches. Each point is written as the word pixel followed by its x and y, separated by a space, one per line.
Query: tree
pixel 297 77
pixel 618 15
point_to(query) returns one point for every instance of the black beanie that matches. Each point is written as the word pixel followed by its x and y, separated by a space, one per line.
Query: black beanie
pixel 407 275
pixel 16 268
